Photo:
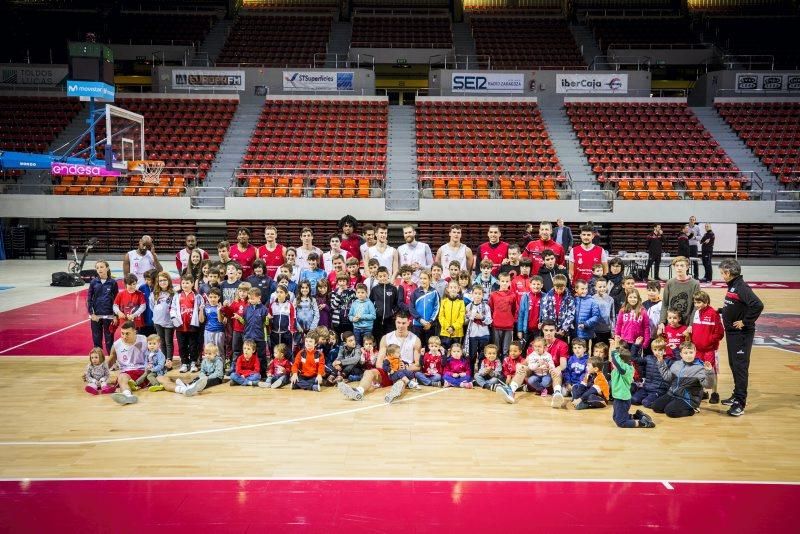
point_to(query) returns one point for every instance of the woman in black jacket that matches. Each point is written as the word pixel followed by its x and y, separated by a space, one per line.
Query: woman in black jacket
pixel 100 305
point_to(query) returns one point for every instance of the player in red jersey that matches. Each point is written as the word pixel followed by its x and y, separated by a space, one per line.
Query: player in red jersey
pixel 584 256
pixel 243 252
pixel 271 252
pixel 494 250
pixel 351 241
pixel 534 249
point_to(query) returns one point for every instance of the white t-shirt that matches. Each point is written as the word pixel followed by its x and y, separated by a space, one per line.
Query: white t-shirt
pixel 327 260
pixel 131 357
pixel 415 252
pixel 449 254
pixel 385 258
pixel 141 264
pixel 406 345
pixel 302 257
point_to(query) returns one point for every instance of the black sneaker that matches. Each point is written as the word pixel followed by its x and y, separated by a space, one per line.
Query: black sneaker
pixel 646 422
pixel 736 410
pixel 729 401
pixel 638 414
pixel 705 395
pixel 714 398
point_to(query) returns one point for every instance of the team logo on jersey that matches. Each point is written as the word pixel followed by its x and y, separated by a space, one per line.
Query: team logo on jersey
pixel 779 330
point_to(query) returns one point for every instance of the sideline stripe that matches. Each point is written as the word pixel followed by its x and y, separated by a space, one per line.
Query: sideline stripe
pixel 44 336
pixel 212 430
pixel 667 485
pixel 412 479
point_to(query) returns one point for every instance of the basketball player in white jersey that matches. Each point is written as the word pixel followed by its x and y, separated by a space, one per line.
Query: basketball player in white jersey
pixel 402 344
pixel 306 248
pixel 455 250
pixel 183 255
pixel 386 255
pixel 140 260
pixel 414 253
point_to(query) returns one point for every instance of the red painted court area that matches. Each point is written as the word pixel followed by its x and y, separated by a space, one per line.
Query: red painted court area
pixel 393 506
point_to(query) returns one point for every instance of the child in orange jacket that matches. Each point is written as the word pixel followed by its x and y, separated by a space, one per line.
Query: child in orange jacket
pixel 309 365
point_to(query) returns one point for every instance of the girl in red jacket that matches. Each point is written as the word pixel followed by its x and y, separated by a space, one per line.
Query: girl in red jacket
pixel 707 331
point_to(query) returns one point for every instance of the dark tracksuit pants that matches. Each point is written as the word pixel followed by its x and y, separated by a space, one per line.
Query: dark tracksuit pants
pixel 739 346
pixel 672 406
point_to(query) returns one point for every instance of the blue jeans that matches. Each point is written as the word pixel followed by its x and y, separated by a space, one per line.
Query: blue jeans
pixel 427 380
pixel 360 333
pixel 453 381
pixel 486 383
pixel 398 375
pixel 539 383
pixel 305 382
pixel 622 418
pixel 245 380
pixel 476 346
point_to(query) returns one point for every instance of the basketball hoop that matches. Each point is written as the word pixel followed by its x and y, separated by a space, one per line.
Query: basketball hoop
pixel 150 169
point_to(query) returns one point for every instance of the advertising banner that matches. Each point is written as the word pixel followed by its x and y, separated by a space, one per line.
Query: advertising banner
pixel 205 79
pixel 591 84
pixel 32 76
pixel 317 81
pixel 72 169
pixel 747 82
pixel 86 89
pixel 487 83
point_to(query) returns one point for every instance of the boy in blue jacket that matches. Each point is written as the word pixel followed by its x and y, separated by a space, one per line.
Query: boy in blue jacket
pixel 654 383
pixel 255 319
pixel 559 306
pixel 587 312
pixel 576 364
pixel 362 314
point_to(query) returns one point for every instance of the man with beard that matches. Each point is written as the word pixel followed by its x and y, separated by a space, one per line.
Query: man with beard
pixel 140 260
pixel 583 257
pixel 183 255
pixel 493 250
pixel 414 253
pixel 534 249
pixel 272 253
pixel 243 252
pixel 351 241
pixel 369 241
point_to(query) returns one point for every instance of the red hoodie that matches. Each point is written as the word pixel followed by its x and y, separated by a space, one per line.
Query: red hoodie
pixel 504 309
pixel 245 367
pixel 707 329
pixel 520 284
pixel 238 307
pixel 510 365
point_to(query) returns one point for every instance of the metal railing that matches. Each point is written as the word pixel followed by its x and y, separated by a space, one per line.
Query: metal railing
pixel 344 61
pixel 613 176
pixel 787 201
pixel 93 189
pixel 748 61
pixel 660 46
pixel 466 62
pixel 208 198
pixel 596 200
pixel 305 191
pixel 493 193
pixel 620 62
pixel 387 44
pixel 690 194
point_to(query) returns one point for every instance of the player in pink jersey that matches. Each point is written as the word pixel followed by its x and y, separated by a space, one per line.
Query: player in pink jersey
pixel 494 250
pixel 583 257
pixel 243 252
pixel 271 252
pixel 534 249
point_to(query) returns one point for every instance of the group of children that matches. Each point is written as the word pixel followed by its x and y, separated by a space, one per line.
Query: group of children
pixel 309 328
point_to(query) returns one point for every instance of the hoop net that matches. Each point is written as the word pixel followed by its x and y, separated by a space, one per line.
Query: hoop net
pixel 149 169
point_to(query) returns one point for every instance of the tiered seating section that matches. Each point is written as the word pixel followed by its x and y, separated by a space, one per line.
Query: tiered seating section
pixel 652 150
pixel 526 43
pixel 118 236
pixel 184 133
pixel 772 131
pixel 641 31
pixel 380 31
pixel 161 28
pixel 289 5
pixel 276 40
pixel 325 148
pixel 485 149
pixel 30 124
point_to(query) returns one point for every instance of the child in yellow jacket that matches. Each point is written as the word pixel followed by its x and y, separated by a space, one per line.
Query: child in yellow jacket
pixel 452 312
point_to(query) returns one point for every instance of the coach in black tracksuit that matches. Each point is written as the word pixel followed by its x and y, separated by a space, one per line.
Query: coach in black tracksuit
pixel 655 246
pixel 739 314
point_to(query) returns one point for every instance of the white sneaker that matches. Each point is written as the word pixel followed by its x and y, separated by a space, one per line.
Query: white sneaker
pixel 395 391
pixel 506 392
pixel 183 369
pixel 180 389
pixel 193 369
pixel 412 384
pixel 558 400
pixel 180 382
pixel 349 392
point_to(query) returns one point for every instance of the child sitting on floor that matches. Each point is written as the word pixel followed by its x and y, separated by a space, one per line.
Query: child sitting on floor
pixel 456 370
pixel 593 390
pixel 687 378
pixel 155 362
pixel 654 385
pixel 576 365
pixel 279 369
pixel 97 373
pixel 248 369
pixel 347 365
pixel 432 366
pixel 490 372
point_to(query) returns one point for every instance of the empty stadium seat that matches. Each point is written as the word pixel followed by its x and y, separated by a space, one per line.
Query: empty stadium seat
pixel 379 31
pixel 30 124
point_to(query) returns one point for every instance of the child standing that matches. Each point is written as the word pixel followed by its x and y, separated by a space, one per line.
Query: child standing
pixel 654 384
pixel 576 364
pixel 351 266
pixel 129 305
pixel 322 304
pixel 608 312
pixel 186 325
pixel 451 316
pixel 211 315
pixel 279 369
pixel 485 279
pixel 313 273
pixel 281 319
pixel 306 309
pixel 479 319
pixel 309 366
pixel 593 391
pixel 587 312
pixel 347 365
pixel 456 370
pixel 707 331
pixel 503 306
pixel 261 280
pixel 687 378
pixel 97 373
pixel 235 313
pixel 675 332
pixel 248 369
pixel 146 289
pixel 432 367
pixel 633 324
pixel 653 305
pixel 406 286
pixel 387 303
pixel 530 311
pixel 341 301
pixel 559 306
pixel 100 304
pixel 621 379
pixel 490 372
pixel 161 302
pixel 255 320
pixel 437 281
pixel 362 314
pixel 424 308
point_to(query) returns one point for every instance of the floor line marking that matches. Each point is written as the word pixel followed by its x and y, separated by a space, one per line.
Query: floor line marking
pixel 212 430
pixel 667 485
pixel 397 479
pixel 44 336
